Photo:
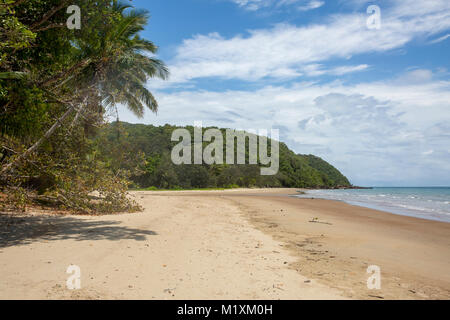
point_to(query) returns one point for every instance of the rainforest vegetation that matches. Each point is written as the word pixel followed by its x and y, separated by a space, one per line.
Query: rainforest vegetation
pixel 151 147
pixel 57 85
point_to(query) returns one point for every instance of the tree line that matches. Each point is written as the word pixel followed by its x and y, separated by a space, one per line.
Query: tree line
pixel 145 152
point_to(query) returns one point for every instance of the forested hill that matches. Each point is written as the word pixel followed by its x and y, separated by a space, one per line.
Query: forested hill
pixel 144 151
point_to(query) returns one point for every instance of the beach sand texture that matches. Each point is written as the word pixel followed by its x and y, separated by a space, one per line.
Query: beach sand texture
pixel 234 244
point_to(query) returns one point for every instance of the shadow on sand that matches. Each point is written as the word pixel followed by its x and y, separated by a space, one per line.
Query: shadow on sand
pixel 21 230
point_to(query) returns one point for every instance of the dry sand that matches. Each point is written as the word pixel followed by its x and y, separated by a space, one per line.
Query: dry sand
pixel 237 244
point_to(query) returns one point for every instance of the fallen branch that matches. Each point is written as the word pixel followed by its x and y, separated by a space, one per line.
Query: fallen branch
pixel 33 148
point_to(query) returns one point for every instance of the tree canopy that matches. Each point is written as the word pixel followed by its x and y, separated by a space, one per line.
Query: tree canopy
pixel 56 87
pixel 122 143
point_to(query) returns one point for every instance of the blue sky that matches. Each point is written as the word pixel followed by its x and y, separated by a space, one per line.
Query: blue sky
pixel 373 102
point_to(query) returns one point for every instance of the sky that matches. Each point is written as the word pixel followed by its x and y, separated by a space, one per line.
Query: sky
pixel 371 96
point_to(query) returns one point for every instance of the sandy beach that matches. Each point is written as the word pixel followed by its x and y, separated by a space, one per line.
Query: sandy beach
pixel 234 244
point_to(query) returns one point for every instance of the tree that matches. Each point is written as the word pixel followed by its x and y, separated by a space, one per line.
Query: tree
pixel 124 80
pixel 110 65
pixel 56 85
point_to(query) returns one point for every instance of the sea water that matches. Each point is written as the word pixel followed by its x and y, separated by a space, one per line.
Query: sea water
pixel 428 203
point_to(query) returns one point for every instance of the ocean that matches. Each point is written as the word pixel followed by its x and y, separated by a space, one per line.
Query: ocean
pixel 425 202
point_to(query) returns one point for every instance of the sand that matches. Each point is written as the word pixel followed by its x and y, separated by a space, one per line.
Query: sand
pixel 236 244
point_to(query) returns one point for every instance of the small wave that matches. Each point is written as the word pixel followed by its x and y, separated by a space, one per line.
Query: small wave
pixel 429 205
pixel 414 207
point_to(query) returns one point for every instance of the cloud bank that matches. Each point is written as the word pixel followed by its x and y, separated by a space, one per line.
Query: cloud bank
pixel 287 51
pixel 393 131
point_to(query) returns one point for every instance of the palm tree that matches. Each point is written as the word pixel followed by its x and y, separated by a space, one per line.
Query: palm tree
pixel 111 65
pixel 118 62
pixel 123 62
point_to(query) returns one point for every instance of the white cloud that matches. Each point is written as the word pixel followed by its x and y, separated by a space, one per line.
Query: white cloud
pixel 414 8
pixel 443 38
pixel 348 69
pixel 374 132
pixel 416 76
pixel 289 51
pixel 311 5
pixel 252 4
pixel 303 5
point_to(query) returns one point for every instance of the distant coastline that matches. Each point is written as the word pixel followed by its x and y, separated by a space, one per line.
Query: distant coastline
pixel 343 188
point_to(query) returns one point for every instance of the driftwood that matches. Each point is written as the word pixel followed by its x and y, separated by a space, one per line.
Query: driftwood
pixel 316 220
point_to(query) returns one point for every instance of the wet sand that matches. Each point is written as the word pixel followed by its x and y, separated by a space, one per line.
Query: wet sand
pixel 335 243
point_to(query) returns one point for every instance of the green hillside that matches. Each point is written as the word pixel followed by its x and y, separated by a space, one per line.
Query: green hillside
pixel 144 152
pixel 328 171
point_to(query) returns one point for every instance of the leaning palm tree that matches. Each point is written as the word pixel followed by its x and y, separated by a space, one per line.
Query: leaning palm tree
pixel 111 65
pixel 125 63
pixel 121 62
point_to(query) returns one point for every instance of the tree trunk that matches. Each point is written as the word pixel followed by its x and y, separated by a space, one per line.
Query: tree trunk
pixel 34 147
pixel 80 110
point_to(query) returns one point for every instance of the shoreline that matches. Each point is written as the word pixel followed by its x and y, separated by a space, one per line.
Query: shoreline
pixel 413 252
pixel 399 210
pixel 377 208
pixel 233 244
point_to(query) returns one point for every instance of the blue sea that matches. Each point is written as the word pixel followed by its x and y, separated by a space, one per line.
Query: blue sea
pixel 427 203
